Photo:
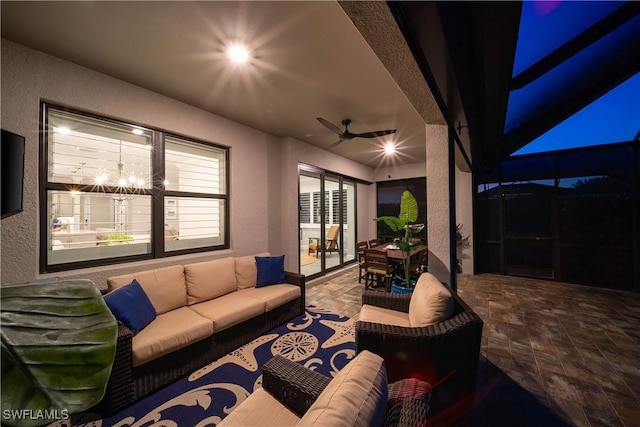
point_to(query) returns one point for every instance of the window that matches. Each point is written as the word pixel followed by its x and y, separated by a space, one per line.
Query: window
pixel 316 207
pixel 305 208
pixel 389 194
pixel 193 170
pixel 335 206
pixel 326 203
pixel 113 192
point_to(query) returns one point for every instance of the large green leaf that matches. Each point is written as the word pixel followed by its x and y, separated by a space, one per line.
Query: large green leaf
pixel 408 207
pixel 58 346
pixel 395 224
pixel 408 214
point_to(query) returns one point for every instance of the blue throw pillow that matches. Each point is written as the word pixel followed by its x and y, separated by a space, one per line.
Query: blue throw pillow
pixel 270 270
pixel 131 306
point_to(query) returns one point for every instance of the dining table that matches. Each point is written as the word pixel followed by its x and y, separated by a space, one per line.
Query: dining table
pixel 396 255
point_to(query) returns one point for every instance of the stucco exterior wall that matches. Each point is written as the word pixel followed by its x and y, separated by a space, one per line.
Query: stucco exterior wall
pixel 29 76
pixel 438 201
pixel 414 170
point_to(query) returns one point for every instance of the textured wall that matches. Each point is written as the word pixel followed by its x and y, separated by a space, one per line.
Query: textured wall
pixel 378 27
pixel 29 76
pixel 438 201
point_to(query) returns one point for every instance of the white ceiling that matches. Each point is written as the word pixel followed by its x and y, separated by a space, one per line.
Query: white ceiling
pixel 309 61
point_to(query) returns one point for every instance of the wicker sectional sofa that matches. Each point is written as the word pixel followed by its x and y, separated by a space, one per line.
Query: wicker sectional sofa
pixel 204 311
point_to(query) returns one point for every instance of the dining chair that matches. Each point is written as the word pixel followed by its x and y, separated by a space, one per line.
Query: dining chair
pixel 422 266
pixel 361 246
pixel 373 243
pixel 378 269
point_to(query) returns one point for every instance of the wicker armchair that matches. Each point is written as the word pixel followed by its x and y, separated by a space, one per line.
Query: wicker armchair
pixel 297 388
pixel 445 354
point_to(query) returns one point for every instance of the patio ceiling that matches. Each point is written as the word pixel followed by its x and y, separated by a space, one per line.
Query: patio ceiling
pixel 500 73
pixel 309 61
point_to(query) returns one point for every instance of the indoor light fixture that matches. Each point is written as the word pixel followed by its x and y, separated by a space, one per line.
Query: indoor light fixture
pixel 125 182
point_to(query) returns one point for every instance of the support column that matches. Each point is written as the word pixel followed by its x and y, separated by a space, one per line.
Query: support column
pixel 438 221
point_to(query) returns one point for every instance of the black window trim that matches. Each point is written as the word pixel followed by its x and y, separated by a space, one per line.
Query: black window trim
pixel 156 192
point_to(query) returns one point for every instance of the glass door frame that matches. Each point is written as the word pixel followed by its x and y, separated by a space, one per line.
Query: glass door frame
pixel 323 176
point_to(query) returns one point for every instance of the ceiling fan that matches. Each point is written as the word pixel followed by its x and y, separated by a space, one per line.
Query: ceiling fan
pixel 346 135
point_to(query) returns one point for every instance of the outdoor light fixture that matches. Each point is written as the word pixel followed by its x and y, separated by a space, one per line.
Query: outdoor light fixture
pixel 389 148
pixel 238 54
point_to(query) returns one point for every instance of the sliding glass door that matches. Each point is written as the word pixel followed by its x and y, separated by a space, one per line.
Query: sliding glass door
pixel 310 223
pixel 326 221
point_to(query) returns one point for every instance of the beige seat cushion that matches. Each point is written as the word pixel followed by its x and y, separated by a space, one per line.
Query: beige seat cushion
pixel 247 271
pixel 260 410
pixel 228 310
pixel 384 316
pixel 165 287
pixel 430 303
pixel 273 295
pixel 169 332
pixel 356 396
pixel 210 279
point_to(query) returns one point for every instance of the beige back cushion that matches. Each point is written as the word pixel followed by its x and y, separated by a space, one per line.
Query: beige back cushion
pixel 356 396
pixel 210 279
pixel 246 270
pixel 430 303
pixel 165 287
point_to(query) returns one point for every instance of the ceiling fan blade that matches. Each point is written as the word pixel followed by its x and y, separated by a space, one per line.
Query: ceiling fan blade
pixel 335 143
pixel 330 125
pixel 375 133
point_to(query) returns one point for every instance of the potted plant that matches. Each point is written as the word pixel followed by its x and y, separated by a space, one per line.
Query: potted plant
pixel 58 346
pixel 462 243
pixel 117 238
pixel 404 224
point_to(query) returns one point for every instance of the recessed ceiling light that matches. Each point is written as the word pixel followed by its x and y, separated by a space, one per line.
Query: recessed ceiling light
pixel 238 54
pixel 137 131
pixel 389 148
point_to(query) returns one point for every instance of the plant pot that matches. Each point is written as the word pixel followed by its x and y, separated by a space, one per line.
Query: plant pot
pixel 398 286
pixel 395 289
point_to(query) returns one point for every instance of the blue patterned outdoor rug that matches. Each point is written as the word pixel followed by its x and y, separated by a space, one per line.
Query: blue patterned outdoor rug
pixel 319 340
